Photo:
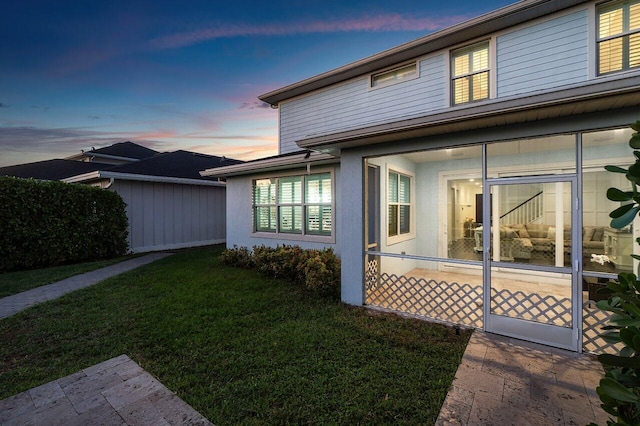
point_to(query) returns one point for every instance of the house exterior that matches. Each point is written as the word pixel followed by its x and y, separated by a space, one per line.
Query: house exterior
pixel 465 170
pixel 169 205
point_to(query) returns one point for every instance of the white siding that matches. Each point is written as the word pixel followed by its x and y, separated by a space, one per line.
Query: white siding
pixel 352 104
pixel 165 216
pixel 542 56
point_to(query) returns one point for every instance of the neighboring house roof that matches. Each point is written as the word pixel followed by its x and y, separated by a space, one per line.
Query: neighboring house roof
pixel 127 151
pixel 294 160
pixel 492 22
pixel 52 169
pixel 179 164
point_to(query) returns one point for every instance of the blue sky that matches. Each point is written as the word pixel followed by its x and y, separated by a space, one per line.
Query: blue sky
pixel 181 75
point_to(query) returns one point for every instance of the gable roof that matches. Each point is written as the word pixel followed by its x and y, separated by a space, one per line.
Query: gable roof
pixel 178 164
pixel 127 150
pixel 508 16
pixel 52 169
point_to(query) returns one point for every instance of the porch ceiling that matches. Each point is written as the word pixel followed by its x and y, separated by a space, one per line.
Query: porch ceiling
pixel 601 95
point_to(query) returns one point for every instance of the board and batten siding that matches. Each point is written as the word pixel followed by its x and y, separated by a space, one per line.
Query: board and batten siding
pixel 353 104
pixel 545 55
pixel 166 216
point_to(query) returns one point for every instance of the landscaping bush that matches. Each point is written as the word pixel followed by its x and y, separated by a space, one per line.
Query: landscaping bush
pixel 52 223
pixel 317 270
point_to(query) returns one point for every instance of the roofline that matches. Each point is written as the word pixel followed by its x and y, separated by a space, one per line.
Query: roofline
pixel 274 163
pixel 626 91
pixel 105 174
pixel 112 157
pixel 488 23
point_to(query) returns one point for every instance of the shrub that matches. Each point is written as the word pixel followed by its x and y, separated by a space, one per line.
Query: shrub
pixel 317 270
pixel 51 223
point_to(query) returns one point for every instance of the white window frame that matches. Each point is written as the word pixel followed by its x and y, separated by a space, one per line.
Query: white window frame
pixel 398 238
pixel 452 78
pixel 303 235
pixel 626 33
pixel 391 82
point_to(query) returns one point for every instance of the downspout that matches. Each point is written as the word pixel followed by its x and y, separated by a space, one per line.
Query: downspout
pixel 111 180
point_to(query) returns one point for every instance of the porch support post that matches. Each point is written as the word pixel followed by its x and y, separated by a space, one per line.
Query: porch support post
pixel 351 240
pixel 560 224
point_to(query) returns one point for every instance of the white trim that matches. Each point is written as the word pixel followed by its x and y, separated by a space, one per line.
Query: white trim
pixel 177 245
pixel 270 164
pixel 395 239
pixel 142 178
pixel 111 157
pixel 302 236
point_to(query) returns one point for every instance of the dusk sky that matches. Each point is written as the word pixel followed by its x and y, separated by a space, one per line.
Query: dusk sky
pixel 181 75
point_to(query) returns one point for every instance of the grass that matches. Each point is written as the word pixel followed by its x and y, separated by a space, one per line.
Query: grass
pixel 241 349
pixel 15 282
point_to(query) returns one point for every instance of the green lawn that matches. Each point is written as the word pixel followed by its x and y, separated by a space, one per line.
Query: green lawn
pixel 238 347
pixel 15 282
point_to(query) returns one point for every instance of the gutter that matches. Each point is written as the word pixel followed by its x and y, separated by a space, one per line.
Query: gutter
pixel 276 163
pixel 140 178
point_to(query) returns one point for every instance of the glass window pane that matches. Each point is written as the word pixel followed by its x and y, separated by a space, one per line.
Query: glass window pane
pixel 393 220
pixel 405 189
pixel 264 191
pixel 393 187
pixel 265 219
pixel 481 59
pixel 610 23
pixel 481 86
pixel 394 75
pixel 319 220
pixel 634 17
pixel 318 188
pixel 634 50
pixel 291 219
pixel 461 90
pixel 461 65
pixel 405 219
pixel 610 55
pixel 290 190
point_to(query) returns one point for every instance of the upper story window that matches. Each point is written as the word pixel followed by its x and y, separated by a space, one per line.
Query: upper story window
pixel 619 36
pixel 396 75
pixel 293 205
pixel 470 73
pixel 399 206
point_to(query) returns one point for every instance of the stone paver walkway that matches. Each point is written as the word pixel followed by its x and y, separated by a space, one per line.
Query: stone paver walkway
pixel 503 381
pixel 115 392
pixel 13 304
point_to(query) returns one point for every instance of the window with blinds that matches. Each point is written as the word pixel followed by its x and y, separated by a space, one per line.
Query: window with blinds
pixel 618 36
pixel 470 73
pixel 294 205
pixel 399 204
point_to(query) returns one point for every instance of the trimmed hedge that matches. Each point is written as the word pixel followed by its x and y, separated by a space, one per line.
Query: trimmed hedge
pixel 317 270
pixel 46 223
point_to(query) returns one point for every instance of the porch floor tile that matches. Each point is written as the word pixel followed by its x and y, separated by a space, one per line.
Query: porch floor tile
pixel 510 382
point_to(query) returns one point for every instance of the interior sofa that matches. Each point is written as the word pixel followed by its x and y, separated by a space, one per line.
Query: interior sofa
pixel 523 241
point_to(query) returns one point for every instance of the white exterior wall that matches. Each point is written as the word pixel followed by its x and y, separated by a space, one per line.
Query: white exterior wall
pixel 240 217
pixel 167 216
pixel 353 104
pixel 543 55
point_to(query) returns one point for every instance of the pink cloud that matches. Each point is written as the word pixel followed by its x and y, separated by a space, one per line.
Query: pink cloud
pixel 381 23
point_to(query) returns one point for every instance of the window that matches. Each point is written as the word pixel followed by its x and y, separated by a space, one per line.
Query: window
pixel 619 36
pixel 396 75
pixel 293 205
pixel 399 205
pixel 470 73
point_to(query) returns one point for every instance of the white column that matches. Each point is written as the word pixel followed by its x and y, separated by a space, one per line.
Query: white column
pixel 495 222
pixel 560 223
